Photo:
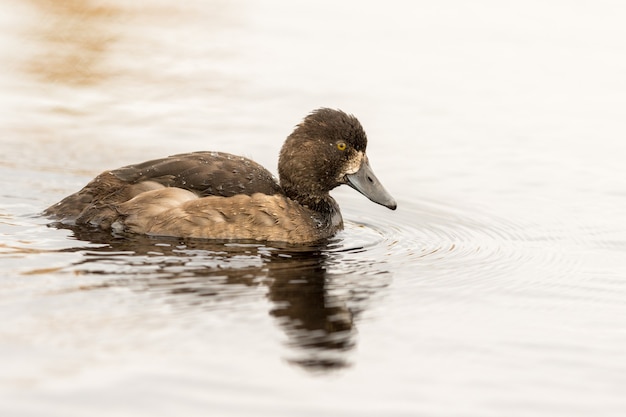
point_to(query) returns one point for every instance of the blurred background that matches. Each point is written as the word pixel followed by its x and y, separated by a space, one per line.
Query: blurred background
pixel 497 288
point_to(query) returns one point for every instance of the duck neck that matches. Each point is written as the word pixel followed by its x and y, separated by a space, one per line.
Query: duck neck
pixel 320 202
pixel 323 205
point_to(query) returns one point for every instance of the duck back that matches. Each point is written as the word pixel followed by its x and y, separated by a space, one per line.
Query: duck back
pixel 197 174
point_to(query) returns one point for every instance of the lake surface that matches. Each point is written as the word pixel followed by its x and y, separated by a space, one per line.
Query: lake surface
pixel 497 288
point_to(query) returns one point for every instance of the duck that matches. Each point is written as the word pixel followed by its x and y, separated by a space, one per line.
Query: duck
pixel 220 196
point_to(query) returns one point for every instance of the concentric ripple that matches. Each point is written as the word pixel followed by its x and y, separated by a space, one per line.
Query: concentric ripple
pixel 455 247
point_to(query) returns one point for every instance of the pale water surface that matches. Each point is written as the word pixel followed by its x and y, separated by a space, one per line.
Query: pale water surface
pixel 498 288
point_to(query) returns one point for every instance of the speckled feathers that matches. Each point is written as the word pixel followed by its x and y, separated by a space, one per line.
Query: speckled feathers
pixel 217 195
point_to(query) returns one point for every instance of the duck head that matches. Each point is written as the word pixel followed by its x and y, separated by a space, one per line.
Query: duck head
pixel 325 151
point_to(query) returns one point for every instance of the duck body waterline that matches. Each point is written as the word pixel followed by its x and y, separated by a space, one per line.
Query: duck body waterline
pixel 215 195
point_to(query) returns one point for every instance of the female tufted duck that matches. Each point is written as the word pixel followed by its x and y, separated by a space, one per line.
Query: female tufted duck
pixel 215 195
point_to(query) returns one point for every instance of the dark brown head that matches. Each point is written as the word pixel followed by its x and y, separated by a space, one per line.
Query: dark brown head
pixel 324 151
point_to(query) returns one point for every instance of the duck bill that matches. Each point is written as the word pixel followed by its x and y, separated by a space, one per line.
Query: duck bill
pixel 365 182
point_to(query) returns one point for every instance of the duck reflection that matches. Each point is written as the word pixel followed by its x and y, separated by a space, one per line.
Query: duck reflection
pixel 319 324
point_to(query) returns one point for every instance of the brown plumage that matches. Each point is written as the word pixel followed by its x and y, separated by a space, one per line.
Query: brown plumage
pixel 217 195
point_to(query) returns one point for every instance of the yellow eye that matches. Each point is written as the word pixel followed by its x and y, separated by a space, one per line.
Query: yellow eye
pixel 341 146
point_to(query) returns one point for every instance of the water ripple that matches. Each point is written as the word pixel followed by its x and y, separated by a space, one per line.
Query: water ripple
pixel 458 247
pixel 317 294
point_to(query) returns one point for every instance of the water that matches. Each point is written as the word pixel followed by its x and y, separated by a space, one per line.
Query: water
pixel 496 288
